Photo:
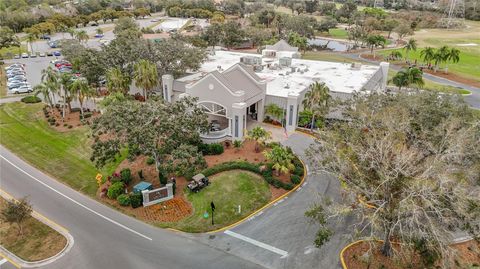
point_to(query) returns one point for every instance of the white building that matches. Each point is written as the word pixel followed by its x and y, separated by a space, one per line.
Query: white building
pixel 233 88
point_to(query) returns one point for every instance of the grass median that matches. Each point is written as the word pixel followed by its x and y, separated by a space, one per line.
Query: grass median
pixel 227 190
pixel 37 241
pixel 64 155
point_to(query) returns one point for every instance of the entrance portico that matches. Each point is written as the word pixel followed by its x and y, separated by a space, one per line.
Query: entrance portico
pixel 229 98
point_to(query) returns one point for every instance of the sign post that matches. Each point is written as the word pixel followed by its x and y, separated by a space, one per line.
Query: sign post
pixel 212 205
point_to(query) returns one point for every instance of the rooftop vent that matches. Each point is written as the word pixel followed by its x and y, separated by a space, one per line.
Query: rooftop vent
pixel 285 62
pixel 356 66
pixel 251 60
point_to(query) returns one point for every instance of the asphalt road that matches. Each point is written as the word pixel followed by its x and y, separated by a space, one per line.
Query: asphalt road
pixel 105 238
pixel 473 99
pixel 285 227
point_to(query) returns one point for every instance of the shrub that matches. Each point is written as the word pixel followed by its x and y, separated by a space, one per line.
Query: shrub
pixel 215 149
pixel 31 99
pixel 163 177
pixel 70 126
pixel 87 115
pixel 140 174
pixel 237 143
pixel 75 109
pixel 150 161
pixel 295 179
pixel 115 190
pixel 126 176
pixel 211 149
pixel 136 199
pixel 123 200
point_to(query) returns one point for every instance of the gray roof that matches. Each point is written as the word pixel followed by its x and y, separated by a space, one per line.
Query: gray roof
pixel 281 45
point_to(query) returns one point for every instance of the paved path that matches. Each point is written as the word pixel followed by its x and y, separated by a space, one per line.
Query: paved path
pixel 283 228
pixel 473 99
pixel 105 238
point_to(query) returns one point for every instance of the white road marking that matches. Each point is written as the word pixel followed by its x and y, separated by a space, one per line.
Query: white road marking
pixel 3 261
pixel 280 252
pixel 78 203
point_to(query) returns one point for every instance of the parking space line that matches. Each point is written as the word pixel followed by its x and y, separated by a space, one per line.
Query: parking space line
pixel 278 251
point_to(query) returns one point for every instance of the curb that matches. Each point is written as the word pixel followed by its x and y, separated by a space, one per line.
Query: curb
pixel 305 171
pixel 19 262
pixel 344 265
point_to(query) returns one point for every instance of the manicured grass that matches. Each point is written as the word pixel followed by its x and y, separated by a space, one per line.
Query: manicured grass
pixel 3 82
pixel 65 156
pixel 468 66
pixel 37 242
pixel 433 86
pixel 339 33
pixel 227 190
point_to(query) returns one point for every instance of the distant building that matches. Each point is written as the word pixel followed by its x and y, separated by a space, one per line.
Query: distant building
pixel 234 88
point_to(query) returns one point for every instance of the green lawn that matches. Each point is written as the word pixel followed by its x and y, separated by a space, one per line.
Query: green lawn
pixel 38 241
pixel 3 82
pixel 468 66
pixel 227 190
pixel 339 33
pixel 65 156
pixel 433 86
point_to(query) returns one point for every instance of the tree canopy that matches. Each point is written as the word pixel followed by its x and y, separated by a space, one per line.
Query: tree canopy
pixel 413 159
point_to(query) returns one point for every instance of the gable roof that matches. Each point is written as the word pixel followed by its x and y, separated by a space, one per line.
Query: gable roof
pixel 281 45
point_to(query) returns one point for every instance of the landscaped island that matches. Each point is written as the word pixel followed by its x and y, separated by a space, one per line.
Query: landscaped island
pixel 33 242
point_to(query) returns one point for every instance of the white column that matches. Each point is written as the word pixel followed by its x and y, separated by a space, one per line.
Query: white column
pixel 238 120
pixel 167 87
pixel 384 67
pixel 260 110
pixel 292 107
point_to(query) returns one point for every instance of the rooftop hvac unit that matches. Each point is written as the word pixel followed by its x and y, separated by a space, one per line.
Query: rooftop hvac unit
pixel 356 66
pixel 251 60
pixel 285 62
pixel 294 69
pixel 257 68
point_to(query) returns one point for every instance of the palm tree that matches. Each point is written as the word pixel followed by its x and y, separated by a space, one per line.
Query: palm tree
pixel 453 56
pixel 81 36
pixel 440 56
pixel 411 45
pixel 31 38
pixel 81 90
pixel 146 76
pixel 71 32
pixel 407 77
pixel 45 91
pixel 395 55
pixel 260 135
pixel 275 111
pixel 316 99
pixel 65 80
pixel 280 159
pixel 374 41
pixel 428 54
pixel 116 81
pixel 50 79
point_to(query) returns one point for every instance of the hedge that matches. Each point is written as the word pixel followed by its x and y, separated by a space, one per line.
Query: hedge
pixel 123 200
pixel 211 149
pixel 31 99
pixel 266 174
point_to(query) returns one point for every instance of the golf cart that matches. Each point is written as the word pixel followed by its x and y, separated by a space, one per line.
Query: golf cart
pixel 198 182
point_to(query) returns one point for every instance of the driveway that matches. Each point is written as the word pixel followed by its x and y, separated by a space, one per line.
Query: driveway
pixel 105 238
pixel 281 236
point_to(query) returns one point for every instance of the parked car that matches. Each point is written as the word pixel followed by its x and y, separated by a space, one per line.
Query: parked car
pixel 62 65
pixel 42 54
pixel 46 37
pixel 17 78
pixel 57 53
pixel 22 89
pixel 15 71
pixel 11 76
pixel 16 56
pixel 17 85
pixel 98 35
pixel 24 55
pixel 14 65
pixel 49 53
pixel 33 55
pixel 94 24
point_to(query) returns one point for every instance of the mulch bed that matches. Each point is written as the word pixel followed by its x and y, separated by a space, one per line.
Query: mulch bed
pixel 356 257
pixel 71 121
pixel 179 207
